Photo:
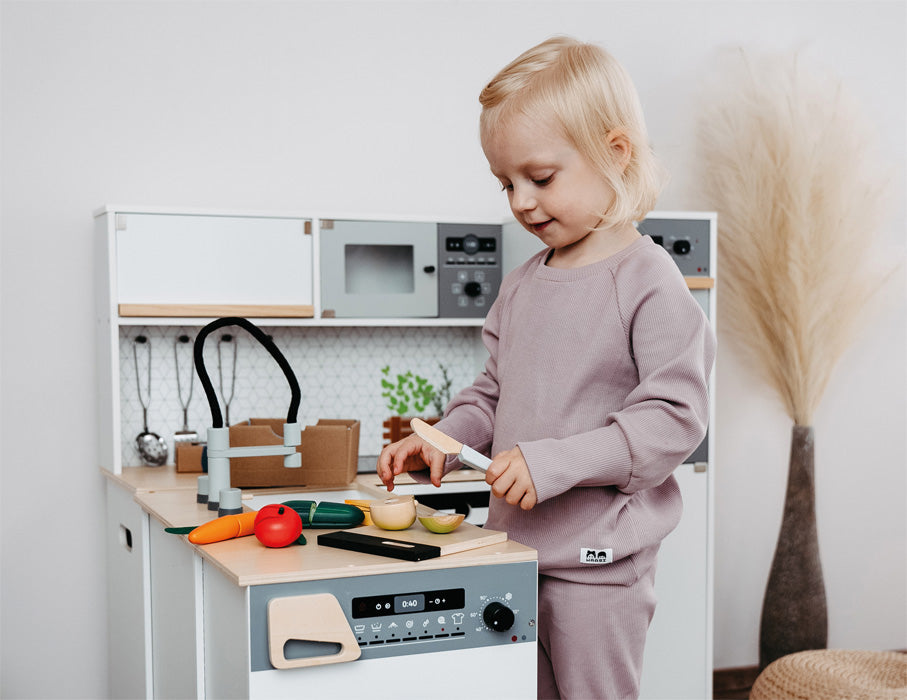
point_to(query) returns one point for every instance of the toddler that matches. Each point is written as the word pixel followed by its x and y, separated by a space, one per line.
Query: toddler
pixel 596 384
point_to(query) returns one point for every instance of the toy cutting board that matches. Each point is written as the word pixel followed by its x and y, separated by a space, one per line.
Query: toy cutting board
pixel 465 537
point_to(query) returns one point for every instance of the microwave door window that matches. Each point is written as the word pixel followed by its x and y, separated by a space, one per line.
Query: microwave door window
pixel 379 269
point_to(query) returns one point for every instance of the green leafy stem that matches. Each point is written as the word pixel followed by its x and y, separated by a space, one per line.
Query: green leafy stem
pixel 409 394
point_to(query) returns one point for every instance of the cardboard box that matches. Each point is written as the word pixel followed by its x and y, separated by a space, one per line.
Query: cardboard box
pixel 330 454
pixel 189 457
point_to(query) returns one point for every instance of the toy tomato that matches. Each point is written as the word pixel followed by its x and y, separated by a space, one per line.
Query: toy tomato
pixel 277 525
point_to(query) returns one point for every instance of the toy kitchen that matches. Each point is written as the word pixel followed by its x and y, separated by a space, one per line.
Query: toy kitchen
pixel 289 322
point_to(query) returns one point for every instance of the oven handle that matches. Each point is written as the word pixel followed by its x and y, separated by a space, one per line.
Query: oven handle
pixel 309 618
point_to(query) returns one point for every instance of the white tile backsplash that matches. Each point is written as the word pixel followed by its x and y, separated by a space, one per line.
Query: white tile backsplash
pixel 338 370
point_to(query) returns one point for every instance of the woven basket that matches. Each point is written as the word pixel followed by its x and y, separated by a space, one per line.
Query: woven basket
pixel 834 674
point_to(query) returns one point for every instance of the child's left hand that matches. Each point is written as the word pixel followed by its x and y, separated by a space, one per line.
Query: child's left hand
pixel 510 479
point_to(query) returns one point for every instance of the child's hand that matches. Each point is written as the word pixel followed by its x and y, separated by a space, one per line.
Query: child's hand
pixel 410 454
pixel 510 479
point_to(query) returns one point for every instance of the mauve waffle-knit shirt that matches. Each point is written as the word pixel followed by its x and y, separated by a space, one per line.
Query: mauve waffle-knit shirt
pixel 600 375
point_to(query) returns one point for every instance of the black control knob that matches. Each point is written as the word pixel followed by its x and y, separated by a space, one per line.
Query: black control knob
pixel 682 247
pixel 470 245
pixel 472 289
pixel 498 617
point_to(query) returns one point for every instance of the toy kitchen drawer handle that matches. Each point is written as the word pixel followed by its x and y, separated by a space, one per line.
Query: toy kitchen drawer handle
pixel 309 618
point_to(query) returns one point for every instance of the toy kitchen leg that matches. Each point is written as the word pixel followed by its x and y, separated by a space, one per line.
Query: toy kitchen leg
pixel 443 633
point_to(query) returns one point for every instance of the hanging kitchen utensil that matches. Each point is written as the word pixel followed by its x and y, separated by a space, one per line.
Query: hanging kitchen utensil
pixel 151 446
pixel 226 338
pixel 183 435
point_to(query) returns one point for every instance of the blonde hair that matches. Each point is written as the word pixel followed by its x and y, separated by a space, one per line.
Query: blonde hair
pixel 590 95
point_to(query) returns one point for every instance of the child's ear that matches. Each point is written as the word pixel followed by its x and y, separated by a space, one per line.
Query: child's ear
pixel 621 148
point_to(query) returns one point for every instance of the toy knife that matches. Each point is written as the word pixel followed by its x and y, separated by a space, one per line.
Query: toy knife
pixel 449 446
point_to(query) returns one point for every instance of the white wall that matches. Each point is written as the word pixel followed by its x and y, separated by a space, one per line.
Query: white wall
pixel 371 107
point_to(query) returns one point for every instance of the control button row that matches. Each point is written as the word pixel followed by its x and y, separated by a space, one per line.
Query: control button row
pixel 471 261
pixel 467 275
pixel 421 638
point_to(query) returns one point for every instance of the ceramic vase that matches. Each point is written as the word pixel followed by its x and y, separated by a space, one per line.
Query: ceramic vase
pixel 794 612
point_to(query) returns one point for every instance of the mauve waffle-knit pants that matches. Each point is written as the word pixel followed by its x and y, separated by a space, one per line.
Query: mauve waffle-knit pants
pixel 592 637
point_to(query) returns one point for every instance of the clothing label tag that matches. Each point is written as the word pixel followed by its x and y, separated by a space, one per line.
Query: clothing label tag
pixel 595 556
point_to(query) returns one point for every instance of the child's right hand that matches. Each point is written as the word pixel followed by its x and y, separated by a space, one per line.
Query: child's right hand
pixel 410 454
pixel 511 479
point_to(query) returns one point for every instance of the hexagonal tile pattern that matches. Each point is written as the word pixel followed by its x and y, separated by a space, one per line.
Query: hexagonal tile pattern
pixel 338 370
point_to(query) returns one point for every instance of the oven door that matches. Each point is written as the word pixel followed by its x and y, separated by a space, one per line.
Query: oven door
pixel 479 674
pixel 379 269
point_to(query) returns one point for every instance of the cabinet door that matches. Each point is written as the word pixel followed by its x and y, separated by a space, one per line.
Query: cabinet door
pixel 186 259
pixel 176 594
pixel 678 647
pixel 128 600
pixel 379 269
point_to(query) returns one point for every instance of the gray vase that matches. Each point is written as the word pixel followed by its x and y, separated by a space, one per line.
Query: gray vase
pixel 794 612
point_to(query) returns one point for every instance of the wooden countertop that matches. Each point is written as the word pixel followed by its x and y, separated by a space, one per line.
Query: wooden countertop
pixel 247 562
pixel 165 478
pixel 138 479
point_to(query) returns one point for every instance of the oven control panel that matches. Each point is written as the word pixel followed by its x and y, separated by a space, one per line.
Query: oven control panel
pixel 469 275
pixel 687 241
pixel 415 612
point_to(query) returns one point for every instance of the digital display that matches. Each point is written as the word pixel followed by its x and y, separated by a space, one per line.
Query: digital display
pixel 414 602
pixel 402 603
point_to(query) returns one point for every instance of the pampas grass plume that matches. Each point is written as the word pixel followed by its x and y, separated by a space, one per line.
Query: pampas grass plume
pixel 787 169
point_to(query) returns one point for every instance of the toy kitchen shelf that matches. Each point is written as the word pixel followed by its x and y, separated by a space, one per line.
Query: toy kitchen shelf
pixel 197 265
pixel 164 271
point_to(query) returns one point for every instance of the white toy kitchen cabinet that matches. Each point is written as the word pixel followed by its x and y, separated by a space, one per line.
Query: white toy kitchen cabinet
pixel 180 264
pixel 162 271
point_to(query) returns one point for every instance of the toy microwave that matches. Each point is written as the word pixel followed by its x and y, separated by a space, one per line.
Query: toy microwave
pixel 385 269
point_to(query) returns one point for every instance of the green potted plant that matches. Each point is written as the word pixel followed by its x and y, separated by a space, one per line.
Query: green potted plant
pixel 407 395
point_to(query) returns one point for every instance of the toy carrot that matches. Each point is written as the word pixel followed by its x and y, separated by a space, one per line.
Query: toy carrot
pixel 224 528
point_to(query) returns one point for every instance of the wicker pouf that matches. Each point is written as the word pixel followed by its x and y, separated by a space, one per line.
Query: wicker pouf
pixel 834 674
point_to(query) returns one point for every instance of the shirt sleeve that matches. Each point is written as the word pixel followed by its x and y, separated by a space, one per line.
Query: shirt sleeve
pixel 665 416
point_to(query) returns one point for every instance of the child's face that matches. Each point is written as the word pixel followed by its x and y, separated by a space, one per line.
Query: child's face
pixel 554 190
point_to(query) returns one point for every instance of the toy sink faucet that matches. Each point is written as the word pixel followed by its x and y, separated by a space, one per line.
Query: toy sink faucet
pixel 218 449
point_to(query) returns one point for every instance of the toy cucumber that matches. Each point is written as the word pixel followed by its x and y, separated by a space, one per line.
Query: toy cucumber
pixel 327 515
